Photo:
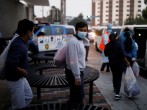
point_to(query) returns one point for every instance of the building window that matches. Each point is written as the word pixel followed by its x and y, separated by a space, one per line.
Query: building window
pixel 117 1
pixel 116 14
pixel 107 7
pixel 107 2
pixel 128 15
pixel 139 10
pixel 139 5
pixel 106 19
pixel 139 1
pixel 117 6
pixel 128 5
pixel 116 10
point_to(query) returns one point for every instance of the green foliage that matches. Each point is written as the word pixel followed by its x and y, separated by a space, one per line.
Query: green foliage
pixel 144 13
pixel 129 21
pixel 80 16
pixel 88 18
pixel 145 2
pixel 76 20
pixel 137 20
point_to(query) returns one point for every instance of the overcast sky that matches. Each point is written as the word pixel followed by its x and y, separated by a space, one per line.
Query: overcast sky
pixel 73 7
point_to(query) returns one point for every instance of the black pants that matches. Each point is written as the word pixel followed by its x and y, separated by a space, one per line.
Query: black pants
pixel 87 51
pixel 76 92
pixel 105 65
pixel 117 77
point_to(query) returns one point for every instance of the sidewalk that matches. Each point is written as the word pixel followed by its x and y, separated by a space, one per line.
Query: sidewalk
pixel 103 91
pixel 104 84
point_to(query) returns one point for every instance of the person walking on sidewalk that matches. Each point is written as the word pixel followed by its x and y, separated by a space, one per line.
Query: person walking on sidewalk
pixel 104 41
pixel 87 41
pixel 117 61
pixel 129 47
pixel 17 64
pixel 75 61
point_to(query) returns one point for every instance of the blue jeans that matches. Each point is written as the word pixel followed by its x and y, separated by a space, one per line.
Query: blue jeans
pixel 21 93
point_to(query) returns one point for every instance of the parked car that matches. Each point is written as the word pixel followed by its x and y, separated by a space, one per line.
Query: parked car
pixel 50 37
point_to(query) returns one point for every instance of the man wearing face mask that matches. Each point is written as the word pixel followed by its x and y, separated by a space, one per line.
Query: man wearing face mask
pixel 104 41
pixel 75 61
pixel 17 64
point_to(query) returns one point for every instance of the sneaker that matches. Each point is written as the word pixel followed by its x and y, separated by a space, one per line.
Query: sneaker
pixel 102 69
pixel 117 97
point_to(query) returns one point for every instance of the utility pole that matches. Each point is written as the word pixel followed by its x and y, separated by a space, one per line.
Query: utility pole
pixel 63 11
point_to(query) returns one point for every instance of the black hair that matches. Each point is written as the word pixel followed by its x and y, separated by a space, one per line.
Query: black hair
pixel 41 33
pixel 127 42
pixel 126 29
pixel 81 24
pixel 24 26
pixel 112 37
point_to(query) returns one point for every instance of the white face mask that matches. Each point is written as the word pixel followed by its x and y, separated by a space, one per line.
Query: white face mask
pixel 81 35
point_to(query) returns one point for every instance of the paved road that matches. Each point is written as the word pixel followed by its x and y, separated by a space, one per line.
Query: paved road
pixel 104 84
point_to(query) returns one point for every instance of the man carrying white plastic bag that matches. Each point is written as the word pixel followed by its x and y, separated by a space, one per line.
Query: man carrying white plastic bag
pixel 130 84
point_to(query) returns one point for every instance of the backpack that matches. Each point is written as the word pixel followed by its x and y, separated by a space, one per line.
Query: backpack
pixel 60 57
pixel 3 57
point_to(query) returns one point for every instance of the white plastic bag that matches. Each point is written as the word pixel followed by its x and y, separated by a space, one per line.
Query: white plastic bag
pixel 130 84
pixel 136 68
pixel 60 56
pixel 3 57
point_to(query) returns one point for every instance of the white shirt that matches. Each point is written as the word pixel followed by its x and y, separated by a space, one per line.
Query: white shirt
pixel 87 39
pixel 75 56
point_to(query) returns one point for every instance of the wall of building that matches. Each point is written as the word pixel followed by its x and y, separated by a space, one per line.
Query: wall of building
pixel 116 11
pixel 115 14
pixel 137 8
pixel 93 12
pixel 11 12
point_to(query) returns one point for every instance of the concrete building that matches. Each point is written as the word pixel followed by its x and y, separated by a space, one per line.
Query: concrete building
pixel 11 11
pixel 55 15
pixel 114 11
